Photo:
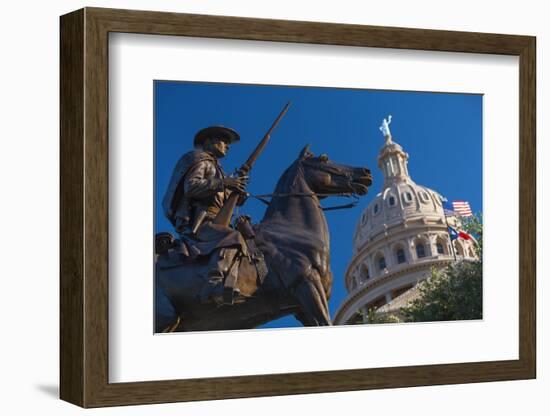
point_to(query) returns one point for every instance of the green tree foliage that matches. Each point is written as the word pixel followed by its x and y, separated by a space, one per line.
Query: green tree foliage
pixel 374 318
pixel 454 293
pixel 474 226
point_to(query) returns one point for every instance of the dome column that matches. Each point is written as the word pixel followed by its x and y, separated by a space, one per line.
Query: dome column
pixel 390 261
pixel 431 245
pixel 410 252
pixel 370 265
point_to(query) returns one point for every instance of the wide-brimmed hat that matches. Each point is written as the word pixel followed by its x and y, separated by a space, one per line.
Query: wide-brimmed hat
pixel 216 131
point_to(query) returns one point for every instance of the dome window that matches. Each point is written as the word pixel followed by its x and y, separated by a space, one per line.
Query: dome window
pixel 424 197
pixel 391 201
pixel 441 246
pixel 420 250
pixel 365 272
pixel 381 263
pixel 376 208
pixel 407 196
pixel 400 254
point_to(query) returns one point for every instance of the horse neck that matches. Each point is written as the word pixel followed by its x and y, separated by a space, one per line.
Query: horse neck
pixel 302 213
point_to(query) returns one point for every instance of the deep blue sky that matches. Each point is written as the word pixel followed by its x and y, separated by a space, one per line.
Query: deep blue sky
pixel 441 132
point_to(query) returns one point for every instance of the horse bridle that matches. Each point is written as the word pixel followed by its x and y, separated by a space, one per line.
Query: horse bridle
pixel 331 169
pixel 310 194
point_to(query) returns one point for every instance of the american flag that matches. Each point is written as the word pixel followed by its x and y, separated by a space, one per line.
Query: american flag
pixel 462 208
pixel 447 207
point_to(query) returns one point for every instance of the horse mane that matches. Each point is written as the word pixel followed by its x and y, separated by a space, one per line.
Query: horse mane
pixel 288 178
pixel 286 183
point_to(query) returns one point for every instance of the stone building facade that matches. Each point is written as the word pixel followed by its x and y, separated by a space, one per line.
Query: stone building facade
pixel 400 236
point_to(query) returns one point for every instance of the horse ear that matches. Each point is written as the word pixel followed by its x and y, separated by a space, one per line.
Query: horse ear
pixel 305 153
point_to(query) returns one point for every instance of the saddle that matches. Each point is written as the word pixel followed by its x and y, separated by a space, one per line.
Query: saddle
pixel 251 270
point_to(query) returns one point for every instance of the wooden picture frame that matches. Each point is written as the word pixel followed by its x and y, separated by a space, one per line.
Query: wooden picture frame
pixel 84 207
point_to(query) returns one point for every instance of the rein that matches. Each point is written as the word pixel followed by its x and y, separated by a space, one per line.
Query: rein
pixel 310 194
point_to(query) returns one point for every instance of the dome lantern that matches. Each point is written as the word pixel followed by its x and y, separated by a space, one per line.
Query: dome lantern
pixel 392 160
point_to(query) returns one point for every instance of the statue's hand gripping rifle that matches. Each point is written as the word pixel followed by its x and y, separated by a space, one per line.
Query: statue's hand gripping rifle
pixel 225 214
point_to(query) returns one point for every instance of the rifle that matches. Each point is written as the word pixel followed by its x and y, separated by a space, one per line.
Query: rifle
pixel 225 214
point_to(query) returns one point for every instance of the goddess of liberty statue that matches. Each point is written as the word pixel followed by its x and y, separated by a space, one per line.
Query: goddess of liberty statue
pixel 385 129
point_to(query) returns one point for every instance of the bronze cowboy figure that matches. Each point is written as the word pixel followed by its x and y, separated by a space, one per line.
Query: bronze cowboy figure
pixel 197 191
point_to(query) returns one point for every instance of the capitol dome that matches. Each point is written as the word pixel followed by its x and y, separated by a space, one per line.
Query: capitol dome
pixel 401 199
pixel 400 236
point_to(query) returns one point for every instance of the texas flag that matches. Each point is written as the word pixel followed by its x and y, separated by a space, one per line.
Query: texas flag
pixel 454 234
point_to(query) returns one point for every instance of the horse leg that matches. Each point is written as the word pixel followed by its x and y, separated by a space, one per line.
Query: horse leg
pixel 313 302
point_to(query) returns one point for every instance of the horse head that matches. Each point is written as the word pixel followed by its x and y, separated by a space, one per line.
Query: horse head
pixel 327 177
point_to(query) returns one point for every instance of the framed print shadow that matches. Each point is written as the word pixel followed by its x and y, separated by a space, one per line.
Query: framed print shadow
pixel 255 207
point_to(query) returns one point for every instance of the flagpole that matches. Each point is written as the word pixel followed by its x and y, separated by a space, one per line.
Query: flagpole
pixel 450 238
pixel 447 223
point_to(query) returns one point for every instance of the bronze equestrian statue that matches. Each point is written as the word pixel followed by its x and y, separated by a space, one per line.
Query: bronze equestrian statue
pixel 217 277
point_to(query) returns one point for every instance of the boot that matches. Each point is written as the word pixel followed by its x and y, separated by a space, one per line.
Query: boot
pixel 218 266
pixel 230 291
pixel 212 289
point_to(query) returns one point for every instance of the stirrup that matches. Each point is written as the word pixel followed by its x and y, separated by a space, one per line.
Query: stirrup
pixel 211 293
pixel 232 296
pixel 228 295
